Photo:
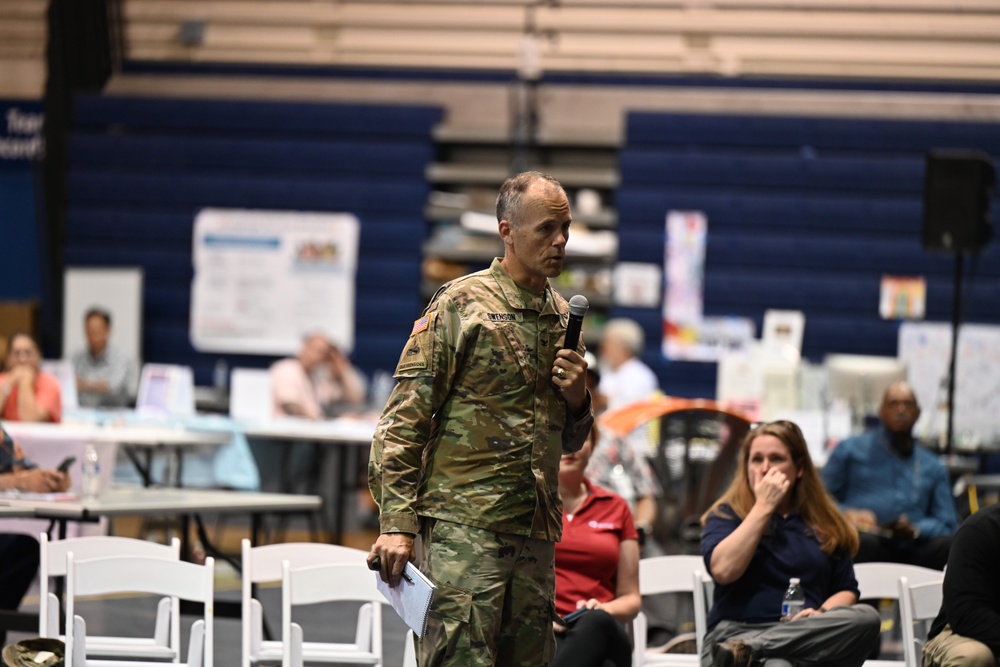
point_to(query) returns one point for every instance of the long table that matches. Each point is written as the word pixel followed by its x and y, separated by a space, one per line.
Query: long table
pixel 180 502
pixel 184 503
pixel 342 440
pixel 47 444
pixel 338 437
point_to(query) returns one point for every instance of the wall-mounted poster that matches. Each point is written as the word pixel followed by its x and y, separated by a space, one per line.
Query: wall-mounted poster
pixel 902 298
pixel 263 279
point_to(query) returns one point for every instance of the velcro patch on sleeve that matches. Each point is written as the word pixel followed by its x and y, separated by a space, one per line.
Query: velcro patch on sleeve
pixel 420 325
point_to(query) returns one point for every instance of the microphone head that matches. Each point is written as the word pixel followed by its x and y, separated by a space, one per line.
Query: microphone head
pixel 578 306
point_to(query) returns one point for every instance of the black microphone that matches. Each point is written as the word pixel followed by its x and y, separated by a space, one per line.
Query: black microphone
pixel 578 307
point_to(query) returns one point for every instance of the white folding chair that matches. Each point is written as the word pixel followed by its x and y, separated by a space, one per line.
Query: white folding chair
pixel 52 563
pixel 263 564
pixel 340 582
pixel 410 650
pixel 918 603
pixel 250 394
pixel 880 581
pixel 140 574
pixel 667 574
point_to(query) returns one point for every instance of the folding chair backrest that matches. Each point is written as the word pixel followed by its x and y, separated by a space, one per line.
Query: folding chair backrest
pixel 139 574
pixel 410 650
pixel 52 563
pixel 918 603
pixel 263 564
pixel 338 582
pixel 880 581
pixel 668 574
pixel 703 594
pixel 250 394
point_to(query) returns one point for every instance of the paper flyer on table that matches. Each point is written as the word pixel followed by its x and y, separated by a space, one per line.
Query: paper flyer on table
pixel 411 598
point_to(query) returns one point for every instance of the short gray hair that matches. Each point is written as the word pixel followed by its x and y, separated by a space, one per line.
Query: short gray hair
pixel 512 192
pixel 627 332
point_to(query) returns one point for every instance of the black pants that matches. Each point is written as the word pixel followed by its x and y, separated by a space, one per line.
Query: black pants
pixel 932 553
pixel 18 565
pixel 596 639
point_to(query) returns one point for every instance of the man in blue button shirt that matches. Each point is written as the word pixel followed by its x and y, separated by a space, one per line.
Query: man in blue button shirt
pixel 896 492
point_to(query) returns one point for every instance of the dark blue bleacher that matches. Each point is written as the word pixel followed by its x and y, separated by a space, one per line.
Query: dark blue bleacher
pixel 803 213
pixel 141 169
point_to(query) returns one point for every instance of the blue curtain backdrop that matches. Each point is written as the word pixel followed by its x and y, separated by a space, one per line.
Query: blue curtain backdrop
pixel 20 149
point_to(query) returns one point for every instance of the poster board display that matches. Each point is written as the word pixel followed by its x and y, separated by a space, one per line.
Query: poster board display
pixel 925 347
pixel 264 279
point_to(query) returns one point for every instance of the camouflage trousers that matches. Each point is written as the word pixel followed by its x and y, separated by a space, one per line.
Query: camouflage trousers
pixel 494 602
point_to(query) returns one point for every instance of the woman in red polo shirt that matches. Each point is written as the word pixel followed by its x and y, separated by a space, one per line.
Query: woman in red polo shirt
pixel 597 569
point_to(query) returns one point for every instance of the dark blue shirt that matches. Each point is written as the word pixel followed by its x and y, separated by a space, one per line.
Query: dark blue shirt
pixel 865 472
pixel 789 548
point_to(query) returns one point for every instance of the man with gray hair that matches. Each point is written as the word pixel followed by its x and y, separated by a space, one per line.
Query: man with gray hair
pixel 466 453
pixel 624 377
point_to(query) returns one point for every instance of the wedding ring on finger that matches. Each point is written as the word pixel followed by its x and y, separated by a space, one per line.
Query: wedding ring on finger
pixel 560 373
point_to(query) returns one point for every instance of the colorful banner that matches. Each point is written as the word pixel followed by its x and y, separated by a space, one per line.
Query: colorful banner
pixel 687 334
pixel 902 298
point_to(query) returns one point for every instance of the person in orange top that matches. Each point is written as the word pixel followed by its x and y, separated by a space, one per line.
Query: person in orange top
pixel 26 393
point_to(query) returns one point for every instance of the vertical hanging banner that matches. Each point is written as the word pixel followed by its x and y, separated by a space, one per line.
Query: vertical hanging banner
pixel 687 334
pixel 263 279
pixel 684 268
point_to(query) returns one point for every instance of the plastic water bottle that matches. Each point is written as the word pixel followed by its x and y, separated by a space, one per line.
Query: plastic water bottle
pixel 91 474
pixel 795 600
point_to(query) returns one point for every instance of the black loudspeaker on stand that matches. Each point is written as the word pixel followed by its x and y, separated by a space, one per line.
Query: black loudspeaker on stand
pixel 958 187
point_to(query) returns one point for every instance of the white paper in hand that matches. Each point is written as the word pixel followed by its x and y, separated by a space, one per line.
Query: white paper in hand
pixel 411 599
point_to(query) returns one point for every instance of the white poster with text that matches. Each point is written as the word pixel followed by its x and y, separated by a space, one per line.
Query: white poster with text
pixel 263 279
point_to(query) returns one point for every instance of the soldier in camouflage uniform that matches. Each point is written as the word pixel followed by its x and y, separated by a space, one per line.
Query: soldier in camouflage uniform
pixel 467 451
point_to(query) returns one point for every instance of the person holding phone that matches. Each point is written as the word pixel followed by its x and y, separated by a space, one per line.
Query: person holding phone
pixel 18 552
pixel 597 570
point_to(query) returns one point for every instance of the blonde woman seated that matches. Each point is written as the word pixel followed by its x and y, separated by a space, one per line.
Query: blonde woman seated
pixel 597 570
pixel 776 522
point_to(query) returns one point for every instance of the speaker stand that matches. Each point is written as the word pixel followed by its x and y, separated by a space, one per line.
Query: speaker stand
pixel 956 321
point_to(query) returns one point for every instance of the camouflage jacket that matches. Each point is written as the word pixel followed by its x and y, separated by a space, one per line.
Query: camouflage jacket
pixel 474 429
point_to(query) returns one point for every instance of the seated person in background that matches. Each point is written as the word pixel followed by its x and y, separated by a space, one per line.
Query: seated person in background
pixel 895 492
pixel 966 632
pixel 624 377
pixel 102 370
pixel 26 393
pixel 597 568
pixel 775 522
pixel 316 382
pixel 19 553
pixel 619 465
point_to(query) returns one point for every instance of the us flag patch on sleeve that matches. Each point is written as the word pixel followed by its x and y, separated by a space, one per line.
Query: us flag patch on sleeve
pixel 420 325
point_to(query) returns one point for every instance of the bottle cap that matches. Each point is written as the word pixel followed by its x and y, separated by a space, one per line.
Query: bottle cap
pixel 794 581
